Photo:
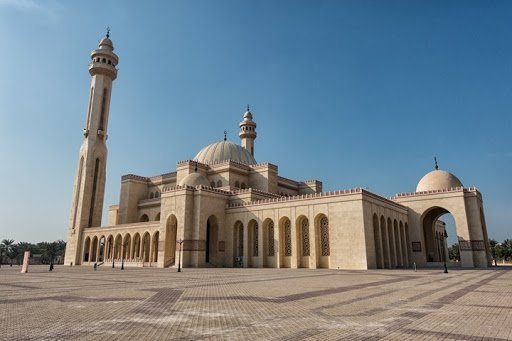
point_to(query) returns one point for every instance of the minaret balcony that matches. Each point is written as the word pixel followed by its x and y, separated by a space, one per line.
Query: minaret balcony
pixel 102 68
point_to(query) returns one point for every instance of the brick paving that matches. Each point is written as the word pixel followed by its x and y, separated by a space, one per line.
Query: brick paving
pixel 78 303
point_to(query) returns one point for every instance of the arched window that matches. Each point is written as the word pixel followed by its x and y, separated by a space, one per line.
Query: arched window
pixel 109 62
pixel 103 60
pixel 144 218
pixel 157 217
pixel 212 184
pixel 237 184
pixel 242 186
pixel 157 194
pixel 271 249
pixel 219 183
pixel 305 237
pixel 255 240
pixel 287 238
pixel 151 195
pixel 324 236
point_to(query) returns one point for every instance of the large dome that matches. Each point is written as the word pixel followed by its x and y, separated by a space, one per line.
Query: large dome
pixel 223 151
pixel 438 179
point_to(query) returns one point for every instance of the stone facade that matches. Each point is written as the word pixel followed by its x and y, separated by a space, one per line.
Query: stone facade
pixel 225 210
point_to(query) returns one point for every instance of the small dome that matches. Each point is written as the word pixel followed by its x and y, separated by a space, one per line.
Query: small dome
pixel 223 151
pixel 248 116
pixel 438 179
pixel 195 179
pixel 106 43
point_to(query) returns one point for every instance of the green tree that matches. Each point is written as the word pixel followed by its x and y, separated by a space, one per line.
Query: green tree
pixel 453 252
pixel 6 248
pixel 507 249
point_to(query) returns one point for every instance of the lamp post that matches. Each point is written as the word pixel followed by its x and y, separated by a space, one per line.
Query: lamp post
pixel 179 255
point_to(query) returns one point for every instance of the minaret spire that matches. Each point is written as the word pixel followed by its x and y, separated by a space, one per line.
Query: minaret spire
pixel 89 188
pixel 436 167
pixel 248 131
pixel 108 32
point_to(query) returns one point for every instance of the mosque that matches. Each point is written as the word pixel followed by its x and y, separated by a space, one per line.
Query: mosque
pixel 222 208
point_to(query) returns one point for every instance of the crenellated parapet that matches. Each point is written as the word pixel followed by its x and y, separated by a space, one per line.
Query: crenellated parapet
pixel 437 191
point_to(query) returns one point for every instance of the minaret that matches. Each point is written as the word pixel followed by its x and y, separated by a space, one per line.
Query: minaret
pixel 248 131
pixel 89 187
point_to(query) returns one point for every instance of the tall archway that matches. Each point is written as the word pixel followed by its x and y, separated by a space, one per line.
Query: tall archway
pixel 110 247
pixel 238 244
pixel 269 259
pixel 212 240
pixel 154 249
pixel 171 230
pixel 435 235
pixel 101 253
pixel 285 242
pixel 392 248
pixel 398 242
pixel 146 246
pixel 303 242
pixel 379 258
pixel 94 249
pixel 385 243
pixel 118 243
pixel 322 241
pixel 87 246
pixel 136 255
pixel 253 243
pixel 127 243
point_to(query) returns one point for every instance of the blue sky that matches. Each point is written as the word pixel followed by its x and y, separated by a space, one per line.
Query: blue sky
pixel 353 93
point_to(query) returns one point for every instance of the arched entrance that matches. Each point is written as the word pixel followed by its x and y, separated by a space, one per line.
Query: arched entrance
pixel 171 230
pixel 212 240
pixel 252 243
pixel 269 259
pixel 285 242
pixel 435 235
pixel 322 247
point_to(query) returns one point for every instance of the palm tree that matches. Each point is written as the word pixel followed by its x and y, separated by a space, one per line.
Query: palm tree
pixel 6 248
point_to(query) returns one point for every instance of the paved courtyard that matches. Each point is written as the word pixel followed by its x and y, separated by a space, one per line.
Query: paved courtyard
pixel 78 303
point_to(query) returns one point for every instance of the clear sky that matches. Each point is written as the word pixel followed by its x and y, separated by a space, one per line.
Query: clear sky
pixel 353 93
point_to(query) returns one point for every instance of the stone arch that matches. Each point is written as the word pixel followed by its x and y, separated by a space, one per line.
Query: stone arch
pixel 268 244
pixel 136 254
pixel 238 244
pixel 404 243
pixel 146 246
pixel 101 249
pixel 391 240
pixel 144 218
pixel 110 247
pixel 385 243
pixel 303 241
pixel 171 233
pixel 94 249
pixel 377 238
pixel 285 242
pixel 87 246
pixel 434 249
pixel 154 247
pixel 322 241
pixel 212 240
pixel 253 243
pixel 127 244
pixel 118 243
pixel 398 241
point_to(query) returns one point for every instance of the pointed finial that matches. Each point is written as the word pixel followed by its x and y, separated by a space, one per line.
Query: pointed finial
pixel 225 135
pixel 195 169
pixel 108 32
pixel 248 110
pixel 435 161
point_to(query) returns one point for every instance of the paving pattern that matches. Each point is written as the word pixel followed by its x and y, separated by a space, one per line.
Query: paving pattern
pixel 78 303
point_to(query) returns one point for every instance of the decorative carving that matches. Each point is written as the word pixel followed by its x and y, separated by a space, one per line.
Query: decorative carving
pixel 478 245
pixel 324 236
pixel 464 245
pixel 305 237
pixel 416 246
pixel 287 238
pixel 271 249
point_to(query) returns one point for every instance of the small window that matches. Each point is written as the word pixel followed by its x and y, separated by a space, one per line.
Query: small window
pixel 212 184
pixel 243 185
pixel 144 218
pixel 103 60
pixel 219 183
pixel 237 184
pixel 109 62
pixel 151 195
pixel 157 194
